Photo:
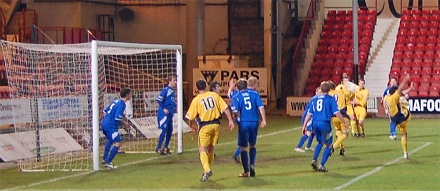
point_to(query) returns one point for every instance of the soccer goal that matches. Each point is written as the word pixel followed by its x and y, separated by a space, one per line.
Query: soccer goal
pixel 58 93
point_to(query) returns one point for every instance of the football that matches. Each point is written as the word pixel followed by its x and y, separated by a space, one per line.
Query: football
pixel 351 87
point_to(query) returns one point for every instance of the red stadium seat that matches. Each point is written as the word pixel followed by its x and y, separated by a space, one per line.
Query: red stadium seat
pixel 423 94
pixel 404 71
pixel 434 88
pixel 424 24
pixel 435 12
pixel 339 64
pixel 405 18
pixel 415 79
pixel 415 12
pixel 371 12
pixel 413 93
pixel 406 12
pixel 433 94
pixel 436 71
pixel 416 70
pixel 425 79
pixel 415 18
pixel 426 12
pixel 315 72
pixel 423 88
pixel 394 72
pixel 426 70
pixel 435 79
pixel 414 24
pixel 341 13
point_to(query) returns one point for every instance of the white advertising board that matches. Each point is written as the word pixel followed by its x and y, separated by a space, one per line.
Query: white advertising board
pixel 22 145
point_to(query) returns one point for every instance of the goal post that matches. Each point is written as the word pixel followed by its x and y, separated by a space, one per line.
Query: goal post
pixel 95 90
pixel 58 94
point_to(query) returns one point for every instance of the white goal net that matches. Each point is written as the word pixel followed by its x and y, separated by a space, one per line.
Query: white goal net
pixel 58 93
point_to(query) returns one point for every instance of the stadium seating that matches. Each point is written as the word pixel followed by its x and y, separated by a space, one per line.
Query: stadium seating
pixel 417 51
pixel 335 48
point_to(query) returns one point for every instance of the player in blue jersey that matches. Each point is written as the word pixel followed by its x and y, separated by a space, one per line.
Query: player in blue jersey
pixel 113 118
pixel 322 108
pixel 308 134
pixel 165 112
pixel 393 82
pixel 248 106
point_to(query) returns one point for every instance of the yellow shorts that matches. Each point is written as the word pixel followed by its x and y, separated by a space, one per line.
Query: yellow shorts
pixel 208 135
pixel 339 125
pixel 402 126
pixel 360 112
pixel 350 109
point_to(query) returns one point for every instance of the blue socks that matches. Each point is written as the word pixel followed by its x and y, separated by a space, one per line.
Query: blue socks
pixel 309 143
pixel 112 155
pixel 245 160
pixel 317 151
pixel 107 147
pixel 237 152
pixel 327 152
pixel 169 133
pixel 301 141
pixel 161 138
pixel 392 128
pixel 252 155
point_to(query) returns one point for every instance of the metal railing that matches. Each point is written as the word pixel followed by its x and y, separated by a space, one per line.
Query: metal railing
pixel 302 37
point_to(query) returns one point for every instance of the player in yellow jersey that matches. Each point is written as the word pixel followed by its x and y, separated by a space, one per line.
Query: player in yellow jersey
pixel 360 106
pixel 398 112
pixel 207 108
pixel 341 130
pixel 350 109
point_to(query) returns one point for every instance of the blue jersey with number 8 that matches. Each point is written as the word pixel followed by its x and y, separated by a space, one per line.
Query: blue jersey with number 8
pixel 323 107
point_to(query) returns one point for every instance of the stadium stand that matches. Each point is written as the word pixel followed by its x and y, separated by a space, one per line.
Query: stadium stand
pixel 417 51
pixel 335 48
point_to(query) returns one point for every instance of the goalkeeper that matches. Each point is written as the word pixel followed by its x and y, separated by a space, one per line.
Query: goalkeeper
pixel 165 112
pixel 113 118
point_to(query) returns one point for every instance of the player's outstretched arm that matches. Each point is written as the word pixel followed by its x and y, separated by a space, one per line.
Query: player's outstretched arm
pixel 402 85
pixel 406 91
pixel 263 117
pixel 306 120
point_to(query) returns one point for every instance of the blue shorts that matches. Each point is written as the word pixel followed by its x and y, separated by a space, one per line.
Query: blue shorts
pixel 112 135
pixel 247 133
pixel 323 131
pixel 164 121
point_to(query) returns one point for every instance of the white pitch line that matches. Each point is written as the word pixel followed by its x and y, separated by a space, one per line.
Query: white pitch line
pixel 377 169
pixel 136 162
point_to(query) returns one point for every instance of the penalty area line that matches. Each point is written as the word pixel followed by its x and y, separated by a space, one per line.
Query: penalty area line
pixel 377 169
pixel 135 162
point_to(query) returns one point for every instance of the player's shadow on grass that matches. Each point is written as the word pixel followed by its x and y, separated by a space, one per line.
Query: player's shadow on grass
pixel 375 151
pixel 423 136
pixel 349 158
pixel 209 184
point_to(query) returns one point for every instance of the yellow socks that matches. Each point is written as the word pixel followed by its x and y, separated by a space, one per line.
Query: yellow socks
pixel 205 161
pixel 353 125
pixel 338 142
pixel 210 159
pixel 403 141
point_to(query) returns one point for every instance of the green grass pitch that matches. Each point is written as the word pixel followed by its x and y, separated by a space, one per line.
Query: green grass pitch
pixel 371 163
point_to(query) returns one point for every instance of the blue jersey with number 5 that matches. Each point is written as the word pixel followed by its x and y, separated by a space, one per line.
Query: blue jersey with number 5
pixel 248 103
pixel 113 114
pixel 323 107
